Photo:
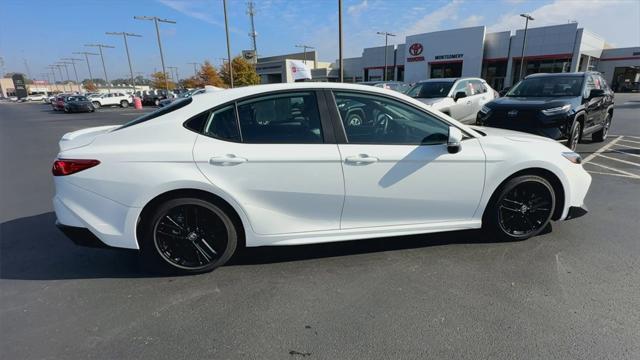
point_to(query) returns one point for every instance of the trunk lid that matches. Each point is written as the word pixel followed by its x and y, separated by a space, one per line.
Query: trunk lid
pixel 83 137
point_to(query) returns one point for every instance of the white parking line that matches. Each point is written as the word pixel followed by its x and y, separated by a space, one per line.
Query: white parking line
pixel 624 152
pixel 630 147
pixel 611 174
pixel 601 150
pixel 620 160
pixel 631 141
pixel 626 174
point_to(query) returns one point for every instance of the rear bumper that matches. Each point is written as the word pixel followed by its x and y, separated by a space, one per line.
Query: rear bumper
pixel 81 236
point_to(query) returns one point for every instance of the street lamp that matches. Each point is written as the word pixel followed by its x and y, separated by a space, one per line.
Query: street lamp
pixel 524 41
pixel 386 42
pixel 51 67
pixel 104 68
pixel 226 28
pixel 340 62
pixel 66 69
pixel 86 56
pixel 305 47
pixel 155 20
pixel 171 70
pixel 126 46
pixel 61 77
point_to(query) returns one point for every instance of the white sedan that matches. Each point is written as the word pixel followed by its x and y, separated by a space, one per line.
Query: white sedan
pixel 283 164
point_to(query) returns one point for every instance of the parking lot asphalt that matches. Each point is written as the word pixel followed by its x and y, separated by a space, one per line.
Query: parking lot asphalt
pixel 572 293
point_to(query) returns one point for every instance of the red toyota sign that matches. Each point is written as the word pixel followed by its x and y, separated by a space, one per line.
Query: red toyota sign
pixel 416 49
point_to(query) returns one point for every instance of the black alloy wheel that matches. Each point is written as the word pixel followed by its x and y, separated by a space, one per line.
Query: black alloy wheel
pixel 601 135
pixel 523 208
pixel 190 236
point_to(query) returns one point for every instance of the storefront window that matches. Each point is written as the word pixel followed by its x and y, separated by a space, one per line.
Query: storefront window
pixel 447 70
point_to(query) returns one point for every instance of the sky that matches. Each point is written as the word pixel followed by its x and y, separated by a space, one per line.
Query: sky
pixel 41 33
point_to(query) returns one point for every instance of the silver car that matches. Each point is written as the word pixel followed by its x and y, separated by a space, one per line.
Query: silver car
pixel 460 98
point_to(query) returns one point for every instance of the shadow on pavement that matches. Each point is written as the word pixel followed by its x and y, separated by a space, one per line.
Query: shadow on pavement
pixel 32 248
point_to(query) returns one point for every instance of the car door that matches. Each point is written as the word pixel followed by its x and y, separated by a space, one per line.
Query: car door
pixel 397 169
pixel 461 109
pixel 480 96
pixel 281 164
pixel 593 106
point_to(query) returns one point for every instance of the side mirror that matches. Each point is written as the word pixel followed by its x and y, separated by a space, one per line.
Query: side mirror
pixel 596 93
pixel 459 95
pixel 455 137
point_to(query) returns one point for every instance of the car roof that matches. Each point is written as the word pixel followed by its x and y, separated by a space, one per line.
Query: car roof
pixel 576 74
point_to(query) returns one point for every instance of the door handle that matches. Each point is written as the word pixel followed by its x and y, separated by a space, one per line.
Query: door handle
pixel 362 159
pixel 227 160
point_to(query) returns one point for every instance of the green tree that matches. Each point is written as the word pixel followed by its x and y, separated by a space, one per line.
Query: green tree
pixel 158 81
pixel 244 73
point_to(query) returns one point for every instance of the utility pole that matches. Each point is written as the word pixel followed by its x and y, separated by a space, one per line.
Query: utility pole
pixel 386 42
pixel 226 28
pixel 66 69
pixel 304 50
pixel 51 67
pixel 104 68
pixel 195 71
pixel 156 20
pixel 61 77
pixel 524 42
pixel 73 63
pixel 251 11
pixel 174 68
pixel 340 62
pixel 126 46
pixel 86 56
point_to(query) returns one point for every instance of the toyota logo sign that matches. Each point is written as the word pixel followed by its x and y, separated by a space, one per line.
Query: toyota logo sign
pixel 415 49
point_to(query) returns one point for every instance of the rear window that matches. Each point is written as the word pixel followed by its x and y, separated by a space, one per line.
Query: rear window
pixel 157 113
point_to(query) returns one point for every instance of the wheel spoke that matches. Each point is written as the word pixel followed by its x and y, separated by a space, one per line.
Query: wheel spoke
pixel 174 223
pixel 208 246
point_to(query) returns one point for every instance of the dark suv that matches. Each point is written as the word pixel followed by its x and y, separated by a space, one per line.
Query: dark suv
pixel 559 106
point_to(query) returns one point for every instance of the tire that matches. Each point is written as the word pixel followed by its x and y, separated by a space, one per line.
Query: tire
pixel 66 109
pixel 156 102
pixel 124 103
pixel 188 236
pixel 96 104
pixel 575 135
pixel 521 208
pixel 601 135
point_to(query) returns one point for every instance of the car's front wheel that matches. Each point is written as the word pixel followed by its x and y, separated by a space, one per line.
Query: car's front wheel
pixel 124 103
pixel 188 235
pixel 601 135
pixel 521 208
pixel 96 104
pixel 574 135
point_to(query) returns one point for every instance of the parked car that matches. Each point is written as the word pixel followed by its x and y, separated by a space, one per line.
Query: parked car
pixel 78 103
pixel 559 106
pixel 58 103
pixel 276 165
pixel 154 97
pixel 112 99
pixel 182 95
pixel 460 98
pixel 391 85
pixel 37 97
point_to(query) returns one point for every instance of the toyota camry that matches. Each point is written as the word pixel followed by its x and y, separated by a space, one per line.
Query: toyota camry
pixel 303 163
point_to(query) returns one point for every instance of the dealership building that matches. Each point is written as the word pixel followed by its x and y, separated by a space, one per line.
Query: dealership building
pixel 496 56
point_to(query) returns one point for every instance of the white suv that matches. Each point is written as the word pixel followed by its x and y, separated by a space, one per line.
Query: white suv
pixel 120 99
pixel 460 98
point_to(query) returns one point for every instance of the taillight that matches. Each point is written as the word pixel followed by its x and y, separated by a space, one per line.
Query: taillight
pixel 63 167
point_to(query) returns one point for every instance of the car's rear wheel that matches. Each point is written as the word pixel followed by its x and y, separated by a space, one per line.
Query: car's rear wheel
pixel 188 235
pixel 96 105
pixel 601 135
pixel 157 102
pixel 575 135
pixel 124 103
pixel 522 208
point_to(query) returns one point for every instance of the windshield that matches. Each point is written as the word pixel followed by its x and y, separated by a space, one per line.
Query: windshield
pixel 430 89
pixel 76 98
pixel 548 86
pixel 159 112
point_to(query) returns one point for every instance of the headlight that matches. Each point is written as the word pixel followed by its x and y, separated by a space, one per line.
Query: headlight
pixel 573 157
pixel 557 110
pixel 485 110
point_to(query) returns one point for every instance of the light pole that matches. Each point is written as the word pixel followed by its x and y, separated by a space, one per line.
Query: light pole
pixel 340 63
pixel 226 29
pixel 104 68
pixel 51 67
pixel 386 42
pixel 156 20
pixel 304 50
pixel 86 56
pixel 171 70
pixel 72 61
pixel 126 46
pixel 524 42
pixel 61 77
pixel 66 69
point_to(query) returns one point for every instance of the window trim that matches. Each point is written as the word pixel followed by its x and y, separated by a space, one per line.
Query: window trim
pixel 324 112
pixel 342 133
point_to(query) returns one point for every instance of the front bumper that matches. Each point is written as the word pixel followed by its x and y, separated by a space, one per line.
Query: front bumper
pixel 553 127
